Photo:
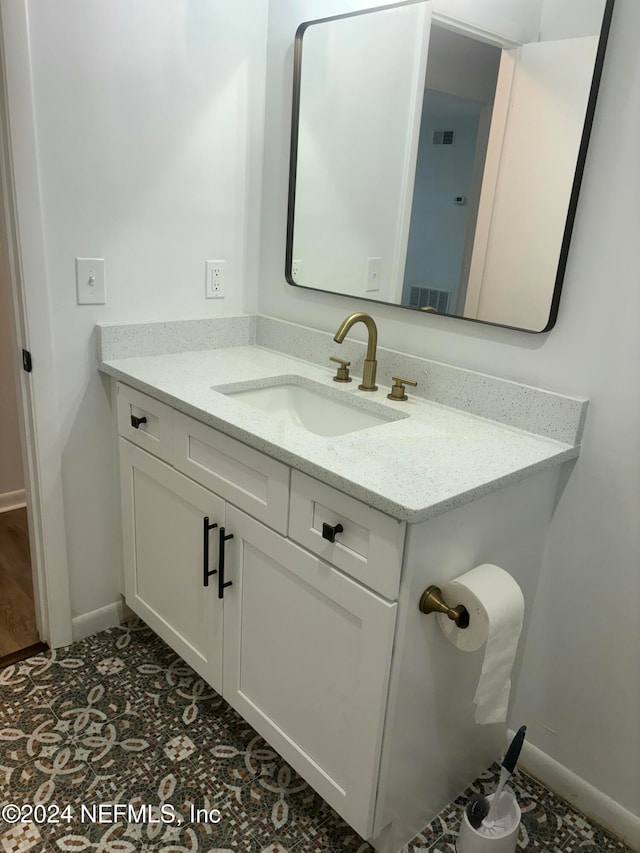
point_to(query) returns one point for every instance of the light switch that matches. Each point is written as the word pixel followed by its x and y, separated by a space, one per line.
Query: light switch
pixel 374 267
pixel 90 285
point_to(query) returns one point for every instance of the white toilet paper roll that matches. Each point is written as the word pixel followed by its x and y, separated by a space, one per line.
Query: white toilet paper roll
pixel 496 611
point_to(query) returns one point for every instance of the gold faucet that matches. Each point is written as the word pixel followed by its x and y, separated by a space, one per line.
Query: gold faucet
pixel 370 364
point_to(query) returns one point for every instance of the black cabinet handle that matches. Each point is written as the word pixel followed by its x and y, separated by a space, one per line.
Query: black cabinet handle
pixel 135 422
pixel 221 581
pixel 206 527
pixel 329 531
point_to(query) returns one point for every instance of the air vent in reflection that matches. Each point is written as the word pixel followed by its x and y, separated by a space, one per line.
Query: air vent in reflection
pixel 443 137
pixel 429 297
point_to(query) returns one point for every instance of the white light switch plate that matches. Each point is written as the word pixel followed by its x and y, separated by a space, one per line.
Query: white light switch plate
pixel 374 267
pixel 90 284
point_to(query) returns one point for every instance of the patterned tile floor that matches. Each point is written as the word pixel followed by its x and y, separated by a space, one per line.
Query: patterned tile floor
pixel 120 718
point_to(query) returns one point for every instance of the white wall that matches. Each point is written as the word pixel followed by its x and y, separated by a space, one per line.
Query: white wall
pixel 11 476
pixel 581 677
pixel 523 209
pixel 570 18
pixel 518 20
pixel 149 124
pixel 352 197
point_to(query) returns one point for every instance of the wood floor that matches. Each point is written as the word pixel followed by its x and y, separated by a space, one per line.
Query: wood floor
pixel 17 612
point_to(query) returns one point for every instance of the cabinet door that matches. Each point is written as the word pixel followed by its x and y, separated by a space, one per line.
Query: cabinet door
pixel 163 515
pixel 307 653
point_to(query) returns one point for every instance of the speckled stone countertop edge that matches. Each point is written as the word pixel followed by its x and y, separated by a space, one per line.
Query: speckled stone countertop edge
pixel 401 512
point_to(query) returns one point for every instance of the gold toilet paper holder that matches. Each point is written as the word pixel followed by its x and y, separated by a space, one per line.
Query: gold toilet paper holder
pixel 431 601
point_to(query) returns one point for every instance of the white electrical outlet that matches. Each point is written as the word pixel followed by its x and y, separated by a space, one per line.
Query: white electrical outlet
pixel 90 283
pixel 214 276
pixel 374 266
pixel 296 271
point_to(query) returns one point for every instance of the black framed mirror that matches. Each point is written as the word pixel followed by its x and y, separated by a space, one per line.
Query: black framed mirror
pixel 437 149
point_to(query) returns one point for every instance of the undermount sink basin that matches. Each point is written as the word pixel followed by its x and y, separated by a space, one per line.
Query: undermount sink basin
pixel 311 405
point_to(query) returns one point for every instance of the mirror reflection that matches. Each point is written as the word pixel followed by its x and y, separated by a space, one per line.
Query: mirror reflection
pixel 437 148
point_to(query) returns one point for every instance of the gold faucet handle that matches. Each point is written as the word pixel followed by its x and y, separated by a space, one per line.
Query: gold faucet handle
pixel 398 389
pixel 342 374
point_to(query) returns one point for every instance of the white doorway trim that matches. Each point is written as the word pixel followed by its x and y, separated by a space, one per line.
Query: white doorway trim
pixel 23 261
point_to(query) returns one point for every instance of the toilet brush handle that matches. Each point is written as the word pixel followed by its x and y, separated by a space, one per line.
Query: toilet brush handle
pixel 493 811
pixel 513 753
pixel 508 766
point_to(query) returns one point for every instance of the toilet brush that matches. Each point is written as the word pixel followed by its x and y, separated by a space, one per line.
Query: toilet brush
pixel 478 811
pixel 508 766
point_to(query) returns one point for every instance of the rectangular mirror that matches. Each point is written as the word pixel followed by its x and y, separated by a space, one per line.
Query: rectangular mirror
pixel 437 148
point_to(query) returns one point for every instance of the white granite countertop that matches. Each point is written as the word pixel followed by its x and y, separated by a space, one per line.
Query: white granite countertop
pixel 413 469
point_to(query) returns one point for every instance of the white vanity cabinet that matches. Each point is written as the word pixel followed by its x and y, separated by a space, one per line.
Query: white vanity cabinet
pixel 320 644
pixel 299 648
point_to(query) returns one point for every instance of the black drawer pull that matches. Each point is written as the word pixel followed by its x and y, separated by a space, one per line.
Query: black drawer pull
pixel 329 531
pixel 135 422
pixel 205 550
pixel 221 580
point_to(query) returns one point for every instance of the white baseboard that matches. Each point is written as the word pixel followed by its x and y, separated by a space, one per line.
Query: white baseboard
pixel 99 620
pixel 581 794
pixel 12 500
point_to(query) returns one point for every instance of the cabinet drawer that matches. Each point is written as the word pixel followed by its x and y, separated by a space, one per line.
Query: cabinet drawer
pixel 155 433
pixel 244 476
pixel 370 546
